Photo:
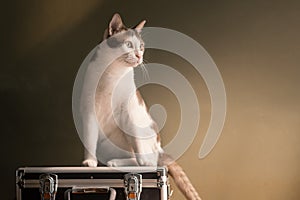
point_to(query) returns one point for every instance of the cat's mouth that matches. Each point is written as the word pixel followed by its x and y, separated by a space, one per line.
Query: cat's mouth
pixel 134 62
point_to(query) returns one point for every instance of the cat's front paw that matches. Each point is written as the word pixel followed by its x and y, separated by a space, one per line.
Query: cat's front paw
pixel 90 163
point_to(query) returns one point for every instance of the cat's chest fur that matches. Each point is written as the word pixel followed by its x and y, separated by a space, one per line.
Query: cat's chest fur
pixel 122 115
pixel 114 90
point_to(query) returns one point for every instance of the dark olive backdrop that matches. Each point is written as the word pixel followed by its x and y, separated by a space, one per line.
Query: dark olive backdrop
pixel 255 44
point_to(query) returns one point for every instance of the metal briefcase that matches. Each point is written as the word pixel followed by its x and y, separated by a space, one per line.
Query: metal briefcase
pixel 86 183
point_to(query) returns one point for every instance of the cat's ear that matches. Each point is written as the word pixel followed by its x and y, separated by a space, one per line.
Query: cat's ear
pixel 115 25
pixel 140 26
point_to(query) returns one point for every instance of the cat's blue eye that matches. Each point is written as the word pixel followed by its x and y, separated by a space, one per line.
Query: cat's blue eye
pixel 129 44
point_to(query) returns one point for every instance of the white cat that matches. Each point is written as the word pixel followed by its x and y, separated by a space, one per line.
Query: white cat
pixel 123 132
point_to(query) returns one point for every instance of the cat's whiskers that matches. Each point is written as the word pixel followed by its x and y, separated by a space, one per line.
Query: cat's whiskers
pixel 145 71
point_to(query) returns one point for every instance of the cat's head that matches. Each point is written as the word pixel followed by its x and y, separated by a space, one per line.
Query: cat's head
pixel 119 36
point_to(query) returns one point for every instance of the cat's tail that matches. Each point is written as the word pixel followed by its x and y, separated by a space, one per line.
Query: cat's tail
pixel 182 182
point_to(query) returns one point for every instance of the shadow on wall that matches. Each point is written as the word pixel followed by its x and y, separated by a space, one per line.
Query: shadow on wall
pixel 45 44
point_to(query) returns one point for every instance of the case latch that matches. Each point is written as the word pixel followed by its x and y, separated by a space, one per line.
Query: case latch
pixel 48 186
pixel 133 186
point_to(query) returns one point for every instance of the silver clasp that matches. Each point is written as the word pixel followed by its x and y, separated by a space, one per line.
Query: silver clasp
pixel 133 186
pixel 48 186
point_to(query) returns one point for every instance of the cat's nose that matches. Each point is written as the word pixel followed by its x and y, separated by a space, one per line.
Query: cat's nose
pixel 138 55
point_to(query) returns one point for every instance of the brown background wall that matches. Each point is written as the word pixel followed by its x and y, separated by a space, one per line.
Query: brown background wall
pixel 255 45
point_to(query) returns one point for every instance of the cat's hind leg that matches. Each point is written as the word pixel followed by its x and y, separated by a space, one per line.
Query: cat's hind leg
pixel 122 162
